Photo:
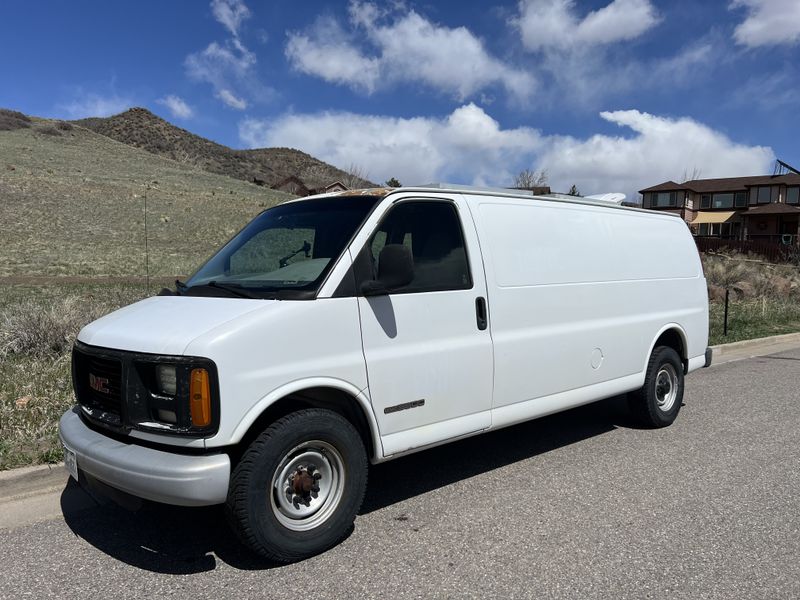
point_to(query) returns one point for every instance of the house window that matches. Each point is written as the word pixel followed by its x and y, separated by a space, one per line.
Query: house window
pixel 665 199
pixel 722 201
pixel 793 195
pixel 703 229
pixel 740 200
pixel 764 194
pixel 705 201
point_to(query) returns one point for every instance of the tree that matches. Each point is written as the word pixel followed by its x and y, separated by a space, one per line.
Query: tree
pixel 393 182
pixel 528 179
pixel 355 177
pixel 573 191
pixel 695 174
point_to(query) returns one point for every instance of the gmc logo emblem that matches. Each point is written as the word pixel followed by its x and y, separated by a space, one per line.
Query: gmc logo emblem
pixel 99 384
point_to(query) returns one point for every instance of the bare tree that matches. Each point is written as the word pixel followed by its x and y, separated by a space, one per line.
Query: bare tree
pixel 695 174
pixel 355 177
pixel 530 179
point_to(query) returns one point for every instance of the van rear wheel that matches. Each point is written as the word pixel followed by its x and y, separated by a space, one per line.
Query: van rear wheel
pixel 659 400
pixel 298 486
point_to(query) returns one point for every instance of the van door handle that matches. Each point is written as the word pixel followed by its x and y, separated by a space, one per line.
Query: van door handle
pixel 480 312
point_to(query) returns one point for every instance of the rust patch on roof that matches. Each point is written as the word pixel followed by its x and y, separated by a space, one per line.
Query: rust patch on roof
pixel 379 191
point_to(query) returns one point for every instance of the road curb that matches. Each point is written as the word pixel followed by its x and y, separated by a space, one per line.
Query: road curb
pixel 758 347
pixel 24 482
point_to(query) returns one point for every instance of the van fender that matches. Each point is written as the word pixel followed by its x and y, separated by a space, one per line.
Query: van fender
pixel 661 331
pixel 359 396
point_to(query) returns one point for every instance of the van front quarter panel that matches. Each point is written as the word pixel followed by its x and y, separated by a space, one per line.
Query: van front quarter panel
pixel 263 351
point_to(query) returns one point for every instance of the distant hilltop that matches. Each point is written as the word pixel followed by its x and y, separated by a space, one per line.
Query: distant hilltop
pixel 283 168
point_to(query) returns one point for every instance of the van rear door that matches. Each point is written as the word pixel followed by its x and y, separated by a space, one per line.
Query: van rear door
pixel 427 346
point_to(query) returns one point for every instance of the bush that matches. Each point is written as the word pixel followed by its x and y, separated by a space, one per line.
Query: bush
pixel 48 130
pixel 64 126
pixel 11 120
pixel 38 331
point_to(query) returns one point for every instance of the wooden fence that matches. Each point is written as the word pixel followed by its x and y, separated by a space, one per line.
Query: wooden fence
pixel 772 252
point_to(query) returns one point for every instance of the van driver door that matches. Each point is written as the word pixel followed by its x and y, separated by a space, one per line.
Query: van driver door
pixel 427 345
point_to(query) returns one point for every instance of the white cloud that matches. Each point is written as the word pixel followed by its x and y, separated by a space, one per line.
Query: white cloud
pixel 230 13
pixel 226 67
pixel 177 106
pixel 768 22
pixel 90 104
pixel 231 99
pixel 468 146
pixel 406 48
pixel 554 23
pixel 660 149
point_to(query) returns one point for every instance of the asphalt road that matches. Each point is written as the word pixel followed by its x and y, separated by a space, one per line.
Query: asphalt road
pixel 577 505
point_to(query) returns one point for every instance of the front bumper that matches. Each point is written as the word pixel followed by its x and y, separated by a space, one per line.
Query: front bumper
pixel 185 480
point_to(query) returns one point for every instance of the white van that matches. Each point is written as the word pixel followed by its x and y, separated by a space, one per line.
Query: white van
pixel 357 327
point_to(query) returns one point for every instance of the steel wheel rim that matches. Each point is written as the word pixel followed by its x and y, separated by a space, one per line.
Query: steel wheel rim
pixel 666 388
pixel 301 510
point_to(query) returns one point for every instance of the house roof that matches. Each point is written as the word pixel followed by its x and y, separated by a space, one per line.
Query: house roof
pixel 724 184
pixel 775 208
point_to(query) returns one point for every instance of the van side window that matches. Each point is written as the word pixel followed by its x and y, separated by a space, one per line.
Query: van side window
pixel 433 233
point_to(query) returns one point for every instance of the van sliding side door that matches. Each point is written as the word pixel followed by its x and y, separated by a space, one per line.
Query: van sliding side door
pixel 427 346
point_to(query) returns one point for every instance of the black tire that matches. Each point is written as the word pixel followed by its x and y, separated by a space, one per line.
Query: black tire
pixel 267 520
pixel 655 405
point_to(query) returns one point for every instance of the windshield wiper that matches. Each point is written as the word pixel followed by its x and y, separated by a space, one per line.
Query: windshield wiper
pixel 238 290
pixel 180 287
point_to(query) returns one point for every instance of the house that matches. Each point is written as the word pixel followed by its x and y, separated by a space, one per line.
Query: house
pixel 295 185
pixel 763 208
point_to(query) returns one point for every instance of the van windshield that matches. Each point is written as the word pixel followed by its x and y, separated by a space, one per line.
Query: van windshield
pixel 285 252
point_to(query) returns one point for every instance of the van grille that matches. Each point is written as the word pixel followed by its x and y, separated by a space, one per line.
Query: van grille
pixel 98 386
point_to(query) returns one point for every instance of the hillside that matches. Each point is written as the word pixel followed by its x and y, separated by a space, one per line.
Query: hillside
pixel 140 128
pixel 72 204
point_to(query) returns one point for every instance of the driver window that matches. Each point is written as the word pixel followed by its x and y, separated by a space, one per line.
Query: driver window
pixel 432 231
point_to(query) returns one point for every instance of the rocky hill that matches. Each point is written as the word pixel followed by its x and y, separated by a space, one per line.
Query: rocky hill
pixel 140 128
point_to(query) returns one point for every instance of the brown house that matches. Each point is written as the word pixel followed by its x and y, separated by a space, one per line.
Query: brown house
pixel 295 185
pixel 762 208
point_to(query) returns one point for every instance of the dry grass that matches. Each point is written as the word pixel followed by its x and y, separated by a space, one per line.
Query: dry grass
pixel 764 297
pixel 73 204
pixel 37 328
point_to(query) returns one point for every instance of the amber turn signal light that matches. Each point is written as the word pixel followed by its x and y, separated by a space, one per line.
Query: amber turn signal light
pixel 200 398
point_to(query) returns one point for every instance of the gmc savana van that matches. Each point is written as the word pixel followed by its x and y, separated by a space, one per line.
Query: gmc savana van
pixel 357 327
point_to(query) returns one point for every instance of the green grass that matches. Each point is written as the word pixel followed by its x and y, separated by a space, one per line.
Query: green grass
pixel 750 319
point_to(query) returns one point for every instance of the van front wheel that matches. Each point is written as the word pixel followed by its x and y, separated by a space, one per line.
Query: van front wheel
pixel 659 400
pixel 298 486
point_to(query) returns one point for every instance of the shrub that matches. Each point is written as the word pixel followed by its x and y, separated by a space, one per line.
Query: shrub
pixel 11 120
pixel 39 331
pixel 64 126
pixel 48 130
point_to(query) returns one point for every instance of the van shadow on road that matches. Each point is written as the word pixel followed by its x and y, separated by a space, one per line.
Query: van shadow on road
pixel 179 540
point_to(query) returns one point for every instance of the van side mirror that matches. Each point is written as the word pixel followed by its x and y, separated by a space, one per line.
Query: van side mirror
pixel 395 270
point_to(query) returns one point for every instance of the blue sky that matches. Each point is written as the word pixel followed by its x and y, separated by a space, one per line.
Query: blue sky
pixel 610 95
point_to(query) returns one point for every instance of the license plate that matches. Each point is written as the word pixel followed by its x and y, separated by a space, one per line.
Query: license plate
pixel 71 463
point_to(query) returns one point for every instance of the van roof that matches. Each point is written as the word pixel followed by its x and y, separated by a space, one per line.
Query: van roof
pixel 382 192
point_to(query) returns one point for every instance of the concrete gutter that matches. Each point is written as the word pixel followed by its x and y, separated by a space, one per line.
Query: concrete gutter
pixel 33 494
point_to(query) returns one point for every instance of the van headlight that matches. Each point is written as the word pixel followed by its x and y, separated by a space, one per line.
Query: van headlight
pixel 182 395
pixel 166 379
